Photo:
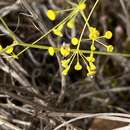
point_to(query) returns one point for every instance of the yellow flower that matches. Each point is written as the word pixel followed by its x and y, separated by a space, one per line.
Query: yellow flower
pixel 92 66
pixel 108 35
pixel 82 6
pixel 94 33
pixel 78 66
pixel 91 73
pixel 65 71
pixel 51 51
pixel 90 59
pixel 71 23
pixel 9 49
pixel 74 41
pixel 109 48
pixel 65 63
pixel 58 30
pixel 65 50
pixel 51 14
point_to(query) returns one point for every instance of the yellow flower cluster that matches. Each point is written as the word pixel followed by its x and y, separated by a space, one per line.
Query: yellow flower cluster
pixel 70 53
pixel 94 33
pixel 69 22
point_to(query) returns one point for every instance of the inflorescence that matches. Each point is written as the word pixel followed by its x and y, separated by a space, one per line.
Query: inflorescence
pixel 72 52
pixel 68 53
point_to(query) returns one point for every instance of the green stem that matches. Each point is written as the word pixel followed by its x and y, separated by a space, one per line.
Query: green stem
pixel 66 19
pixel 92 10
pixel 101 43
pixel 33 46
pixel 74 50
pixel 86 23
pixel 9 31
pixel 83 15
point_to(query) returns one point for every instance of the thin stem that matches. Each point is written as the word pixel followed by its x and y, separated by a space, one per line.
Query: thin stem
pixel 10 32
pixel 65 10
pixel 72 60
pixel 84 59
pixel 92 10
pixel 101 43
pixel 86 23
pixel 33 46
pixel 84 40
pixel 66 19
pixel 75 50
pixel 100 37
pixel 83 15
pixel 80 39
pixel 71 3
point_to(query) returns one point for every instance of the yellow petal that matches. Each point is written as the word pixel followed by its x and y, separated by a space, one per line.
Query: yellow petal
pixel 94 33
pixel 65 63
pixel 78 66
pixel 65 71
pixel 65 50
pixel 110 48
pixel 74 40
pixel 92 66
pixel 108 35
pixel 9 49
pixel 71 23
pixel 82 6
pixel 90 59
pixel 51 51
pixel 93 48
pixel 91 73
pixel 51 14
